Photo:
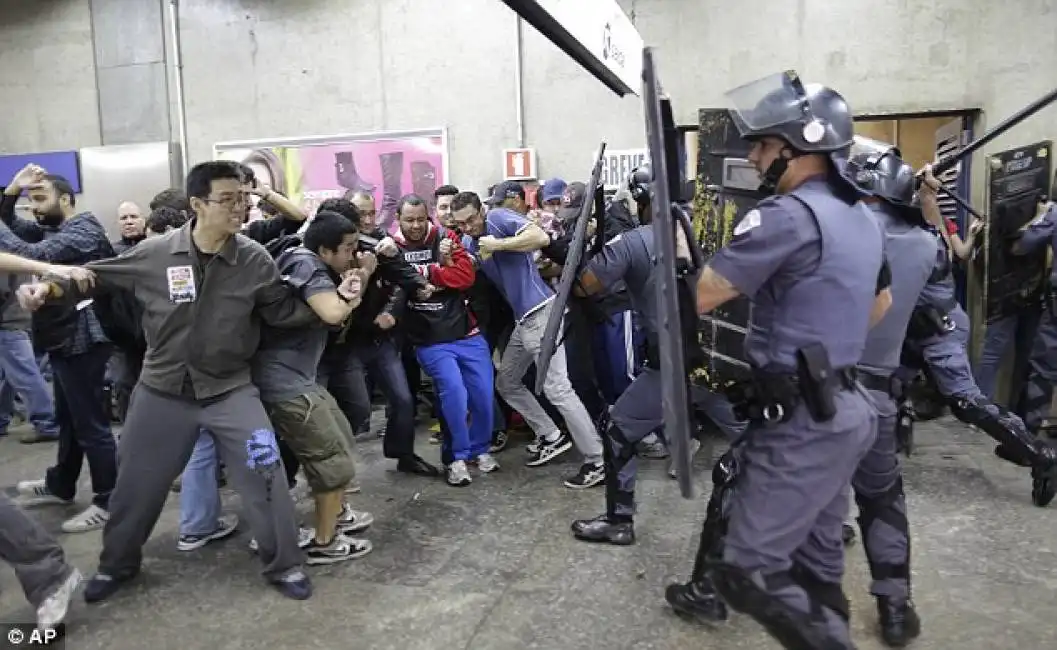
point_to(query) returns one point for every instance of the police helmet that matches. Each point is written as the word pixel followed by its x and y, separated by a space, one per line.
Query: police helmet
pixel 810 118
pixel 879 170
pixel 639 183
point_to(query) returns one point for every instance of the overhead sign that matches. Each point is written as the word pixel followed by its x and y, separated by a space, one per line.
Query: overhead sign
pixel 519 164
pixel 596 33
pixel 617 165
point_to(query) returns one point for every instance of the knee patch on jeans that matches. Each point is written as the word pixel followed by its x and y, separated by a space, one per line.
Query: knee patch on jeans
pixel 309 429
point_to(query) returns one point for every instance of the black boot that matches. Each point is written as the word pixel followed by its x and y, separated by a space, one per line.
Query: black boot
pixel 899 622
pixel 424 181
pixel 348 177
pixel 392 183
pixel 697 601
pixel 601 529
pixel 1044 476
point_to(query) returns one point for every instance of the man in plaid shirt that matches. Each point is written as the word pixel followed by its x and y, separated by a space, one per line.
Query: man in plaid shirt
pixel 74 340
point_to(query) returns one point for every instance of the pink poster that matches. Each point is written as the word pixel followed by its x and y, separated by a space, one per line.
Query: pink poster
pixel 387 166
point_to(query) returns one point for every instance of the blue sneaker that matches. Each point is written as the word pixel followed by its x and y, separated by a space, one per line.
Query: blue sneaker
pixel 294 585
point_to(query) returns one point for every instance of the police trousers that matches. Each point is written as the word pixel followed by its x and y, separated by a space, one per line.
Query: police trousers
pixel 1042 374
pixel 639 412
pixel 878 486
pixel 948 359
pixel 161 431
pixel 792 497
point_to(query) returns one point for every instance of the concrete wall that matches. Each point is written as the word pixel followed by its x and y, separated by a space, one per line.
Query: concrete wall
pixel 264 68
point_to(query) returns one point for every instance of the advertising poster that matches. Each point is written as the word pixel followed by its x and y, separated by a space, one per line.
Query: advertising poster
pixel 385 164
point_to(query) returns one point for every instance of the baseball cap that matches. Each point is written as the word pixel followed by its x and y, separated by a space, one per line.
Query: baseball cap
pixel 572 201
pixel 553 190
pixel 506 190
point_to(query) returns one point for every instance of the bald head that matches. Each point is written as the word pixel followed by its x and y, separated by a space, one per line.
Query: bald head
pixel 364 202
pixel 130 221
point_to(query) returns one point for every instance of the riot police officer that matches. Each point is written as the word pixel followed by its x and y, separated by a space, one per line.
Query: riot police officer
pixel 628 258
pixel 811 260
pixel 878 481
pixel 1038 392
pixel 936 342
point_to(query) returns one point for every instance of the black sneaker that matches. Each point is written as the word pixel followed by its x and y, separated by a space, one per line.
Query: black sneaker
pixel 590 475
pixel 548 451
pixel 295 586
pixel 340 549
pixel 225 528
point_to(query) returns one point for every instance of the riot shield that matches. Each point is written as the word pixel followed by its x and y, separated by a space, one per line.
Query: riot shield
pixel 729 189
pixel 1019 178
pixel 662 140
pixel 570 272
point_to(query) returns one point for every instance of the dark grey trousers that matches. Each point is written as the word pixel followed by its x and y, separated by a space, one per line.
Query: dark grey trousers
pixel 36 557
pixel 159 435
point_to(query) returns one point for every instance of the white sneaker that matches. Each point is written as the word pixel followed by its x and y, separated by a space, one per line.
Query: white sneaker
pixel 304 538
pixel 458 475
pixel 353 521
pixel 487 463
pixel 93 518
pixel 36 493
pixel 53 610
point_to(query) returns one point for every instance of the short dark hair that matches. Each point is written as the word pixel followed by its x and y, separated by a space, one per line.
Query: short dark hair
pixel 327 230
pixel 163 217
pixel 408 199
pixel 341 206
pixel 463 199
pixel 248 175
pixel 173 197
pixel 62 186
pixel 445 190
pixel 200 178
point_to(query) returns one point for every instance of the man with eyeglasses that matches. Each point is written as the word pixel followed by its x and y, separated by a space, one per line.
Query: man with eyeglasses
pixel 205 292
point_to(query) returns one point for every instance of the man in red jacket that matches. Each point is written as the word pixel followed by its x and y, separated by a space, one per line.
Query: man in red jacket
pixel 447 342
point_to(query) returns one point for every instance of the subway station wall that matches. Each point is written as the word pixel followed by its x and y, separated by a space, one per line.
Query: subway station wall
pixel 271 68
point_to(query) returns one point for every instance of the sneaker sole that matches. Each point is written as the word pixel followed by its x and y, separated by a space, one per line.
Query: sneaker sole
pixel 335 559
pixel 462 483
pixel 566 446
pixel 34 502
pixel 494 468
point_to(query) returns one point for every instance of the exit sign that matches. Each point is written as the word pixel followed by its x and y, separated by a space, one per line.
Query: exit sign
pixel 519 164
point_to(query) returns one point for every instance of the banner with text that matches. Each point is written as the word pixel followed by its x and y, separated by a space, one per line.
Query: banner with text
pixel 618 165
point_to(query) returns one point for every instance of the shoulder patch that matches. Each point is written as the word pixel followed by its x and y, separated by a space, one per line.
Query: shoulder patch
pixel 748 222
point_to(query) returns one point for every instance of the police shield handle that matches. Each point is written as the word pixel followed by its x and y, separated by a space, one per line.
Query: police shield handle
pixel 662 141
pixel 573 266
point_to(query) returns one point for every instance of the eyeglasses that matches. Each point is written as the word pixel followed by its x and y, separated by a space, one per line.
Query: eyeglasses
pixel 231 202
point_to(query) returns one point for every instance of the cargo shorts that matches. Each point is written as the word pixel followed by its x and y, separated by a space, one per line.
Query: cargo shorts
pixel 319 436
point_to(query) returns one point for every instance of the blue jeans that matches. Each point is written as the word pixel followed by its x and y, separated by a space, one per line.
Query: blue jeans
pixel 199 492
pixel 343 371
pixel 462 376
pixel 22 375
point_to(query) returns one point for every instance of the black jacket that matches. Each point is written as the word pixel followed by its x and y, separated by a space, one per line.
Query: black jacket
pixel 386 293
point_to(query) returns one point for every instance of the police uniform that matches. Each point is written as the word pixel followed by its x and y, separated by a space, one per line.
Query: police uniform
pixel 812 263
pixel 1043 365
pixel 936 342
pixel 638 411
pixel 878 481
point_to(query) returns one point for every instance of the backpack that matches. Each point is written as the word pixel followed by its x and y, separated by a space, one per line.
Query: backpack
pixel 280 245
